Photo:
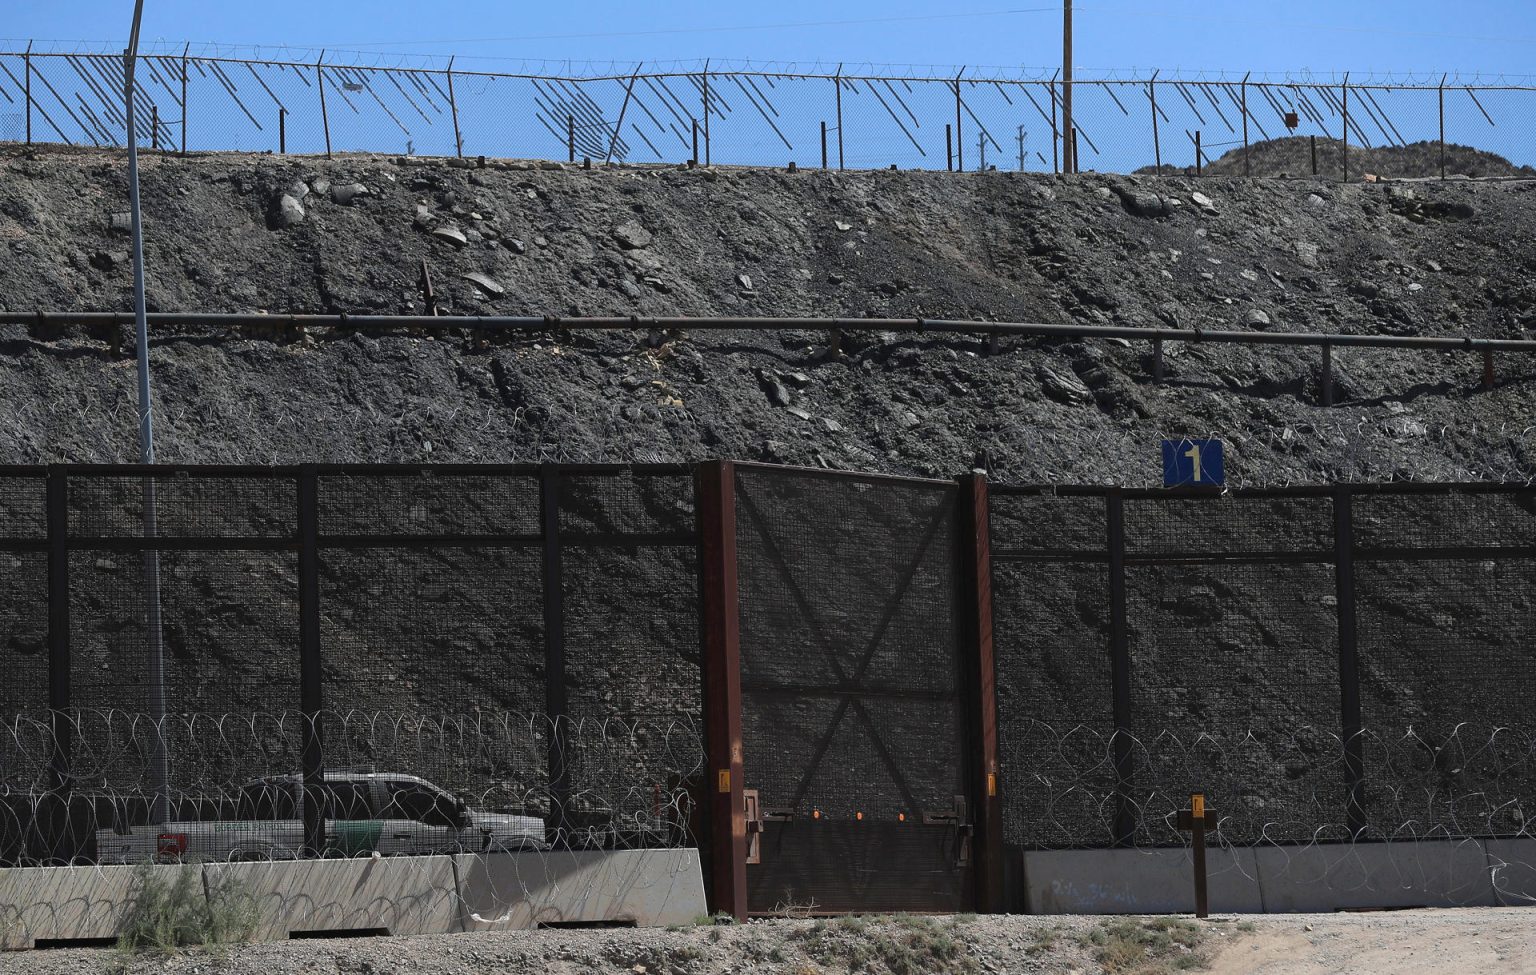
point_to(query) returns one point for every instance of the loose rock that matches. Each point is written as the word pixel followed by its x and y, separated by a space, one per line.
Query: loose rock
pixel 632 236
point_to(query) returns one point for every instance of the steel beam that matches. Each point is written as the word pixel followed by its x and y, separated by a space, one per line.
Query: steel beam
pixel 721 665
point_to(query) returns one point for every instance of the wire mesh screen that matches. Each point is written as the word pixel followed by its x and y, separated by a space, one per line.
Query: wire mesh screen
pixel 227 640
pixel 849 645
pixel 1053 699
pixel 437 731
pixel 1234 674
pixel 1051 637
pixel 1447 675
pixel 432 639
pixel 630 588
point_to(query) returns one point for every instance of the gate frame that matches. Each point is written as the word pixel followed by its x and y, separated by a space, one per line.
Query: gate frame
pixel 720 667
pixel 979 668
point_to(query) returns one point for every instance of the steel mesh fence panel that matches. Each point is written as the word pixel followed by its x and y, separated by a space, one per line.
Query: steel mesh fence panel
pixel 111 506
pixel 1041 524
pixel 1055 717
pixel 229 627
pixel 1225 527
pixel 1451 519
pixel 1446 684
pixel 432 642
pixel 1235 694
pixel 1234 665
pixel 1051 635
pixel 849 645
pixel 428 503
pixel 23 636
pixel 632 744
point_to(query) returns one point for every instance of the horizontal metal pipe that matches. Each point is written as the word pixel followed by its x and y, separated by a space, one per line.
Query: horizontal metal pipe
pixel 544 323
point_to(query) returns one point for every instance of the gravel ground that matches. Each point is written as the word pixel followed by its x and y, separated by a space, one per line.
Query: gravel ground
pixel 1402 943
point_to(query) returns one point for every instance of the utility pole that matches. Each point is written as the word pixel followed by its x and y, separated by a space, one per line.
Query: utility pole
pixel 1069 143
pixel 160 760
pixel 1021 148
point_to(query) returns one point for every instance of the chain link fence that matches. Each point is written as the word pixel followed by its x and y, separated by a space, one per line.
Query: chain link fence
pixel 755 115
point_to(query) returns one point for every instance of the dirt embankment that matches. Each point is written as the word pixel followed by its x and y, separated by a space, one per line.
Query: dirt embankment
pixel 1275 254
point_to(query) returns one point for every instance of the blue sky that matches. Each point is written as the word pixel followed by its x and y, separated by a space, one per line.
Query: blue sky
pixel 1491 36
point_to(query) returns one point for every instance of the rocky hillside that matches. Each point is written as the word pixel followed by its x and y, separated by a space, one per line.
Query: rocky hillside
pixel 237 233
pixel 1292 156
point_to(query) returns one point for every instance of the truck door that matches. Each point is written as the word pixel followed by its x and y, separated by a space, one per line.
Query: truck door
pixel 418 818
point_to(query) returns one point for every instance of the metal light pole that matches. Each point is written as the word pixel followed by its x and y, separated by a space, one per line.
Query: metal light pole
pixel 160 759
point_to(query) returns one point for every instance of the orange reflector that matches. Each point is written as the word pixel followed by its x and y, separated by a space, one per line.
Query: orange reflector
pixel 991 784
pixel 858 815
pixel 725 780
pixel 901 817
pixel 816 814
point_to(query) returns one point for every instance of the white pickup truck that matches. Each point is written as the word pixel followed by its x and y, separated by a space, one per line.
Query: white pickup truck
pixel 370 813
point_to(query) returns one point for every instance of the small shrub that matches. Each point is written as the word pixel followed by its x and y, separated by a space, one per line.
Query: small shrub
pixel 1127 947
pixel 166 917
pixel 1044 940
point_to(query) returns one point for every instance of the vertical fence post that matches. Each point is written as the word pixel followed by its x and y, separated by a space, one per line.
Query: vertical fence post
pixel 554 646
pixel 613 143
pixel 1314 154
pixel 1157 141
pixel 26 62
pixel 154 127
pixel 453 106
pixel 311 676
pixel 1247 168
pixel 1055 134
pixel 693 161
pixel 1120 673
pixel 706 115
pixel 823 143
pixel 949 149
pixel 838 81
pixel 1346 126
pixel 570 138
pixel 715 484
pixel 58 626
pixel 1442 125
pixel 325 119
pixel 959 128
pixel 184 99
pixel 282 131
pixel 1325 376
pixel 1199 155
pixel 981 668
pixel 1349 665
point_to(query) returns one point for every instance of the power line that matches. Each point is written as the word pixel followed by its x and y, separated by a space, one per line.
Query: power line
pixel 702 30
pixel 1296 25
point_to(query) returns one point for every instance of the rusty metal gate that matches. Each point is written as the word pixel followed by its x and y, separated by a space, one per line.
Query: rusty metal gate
pixel 853 721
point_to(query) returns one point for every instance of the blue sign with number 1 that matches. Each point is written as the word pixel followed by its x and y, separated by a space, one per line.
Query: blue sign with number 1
pixel 1198 462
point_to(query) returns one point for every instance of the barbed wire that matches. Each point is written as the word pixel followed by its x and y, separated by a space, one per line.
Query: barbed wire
pixel 1276 785
pixel 77 785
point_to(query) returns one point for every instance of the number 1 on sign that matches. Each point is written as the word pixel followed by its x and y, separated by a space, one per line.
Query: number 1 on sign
pixel 1193 453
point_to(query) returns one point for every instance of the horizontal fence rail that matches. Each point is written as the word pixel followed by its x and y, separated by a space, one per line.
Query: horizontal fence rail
pixel 840 117
pixel 834 328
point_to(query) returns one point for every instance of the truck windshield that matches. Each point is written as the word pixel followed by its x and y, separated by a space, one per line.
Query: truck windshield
pixel 414 801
